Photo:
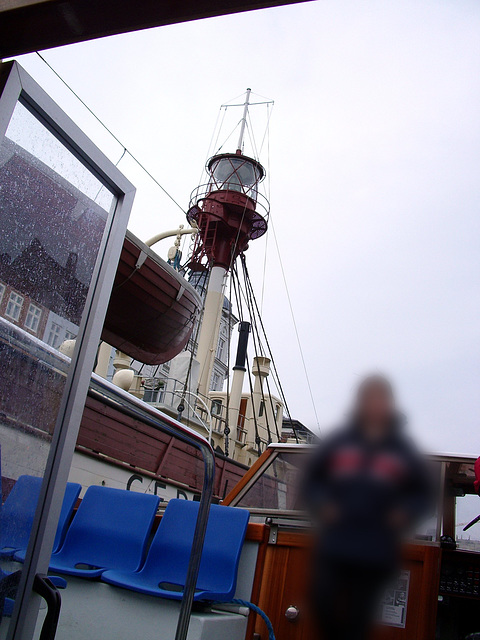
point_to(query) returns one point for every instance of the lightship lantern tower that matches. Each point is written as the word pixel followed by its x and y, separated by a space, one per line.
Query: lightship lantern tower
pixel 226 211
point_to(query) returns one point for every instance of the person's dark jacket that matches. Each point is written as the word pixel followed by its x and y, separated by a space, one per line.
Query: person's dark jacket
pixel 359 492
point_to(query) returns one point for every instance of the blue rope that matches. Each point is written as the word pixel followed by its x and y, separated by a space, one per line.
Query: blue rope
pixel 262 614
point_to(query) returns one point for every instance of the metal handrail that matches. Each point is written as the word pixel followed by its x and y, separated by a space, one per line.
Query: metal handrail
pixel 128 404
pixel 132 406
pixel 203 191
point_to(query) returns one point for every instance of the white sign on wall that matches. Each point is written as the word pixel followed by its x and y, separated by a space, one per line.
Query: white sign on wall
pixel 393 610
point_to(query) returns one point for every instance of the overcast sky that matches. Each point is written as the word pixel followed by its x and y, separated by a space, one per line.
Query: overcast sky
pixel 375 166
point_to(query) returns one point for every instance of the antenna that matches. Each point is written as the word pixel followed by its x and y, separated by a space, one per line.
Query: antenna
pixel 243 121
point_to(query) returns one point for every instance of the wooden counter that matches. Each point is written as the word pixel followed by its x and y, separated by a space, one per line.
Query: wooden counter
pixel 281 581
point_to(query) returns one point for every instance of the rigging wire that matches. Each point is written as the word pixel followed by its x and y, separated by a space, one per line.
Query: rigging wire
pixel 262 292
pixel 267 189
pixel 236 288
pixel 257 332
pixel 212 145
pixel 295 327
pixel 255 335
pixel 267 128
pixel 275 373
pixel 226 104
pixel 132 156
pixel 251 136
pixel 269 100
pixel 229 136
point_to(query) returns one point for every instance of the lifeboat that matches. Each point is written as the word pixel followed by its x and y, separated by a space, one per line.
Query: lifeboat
pixel 152 309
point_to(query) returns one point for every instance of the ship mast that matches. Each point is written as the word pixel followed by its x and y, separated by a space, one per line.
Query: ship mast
pixel 225 212
pixel 243 121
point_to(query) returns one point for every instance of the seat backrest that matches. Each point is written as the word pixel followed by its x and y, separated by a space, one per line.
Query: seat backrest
pixel 16 515
pixel 223 544
pixel 110 529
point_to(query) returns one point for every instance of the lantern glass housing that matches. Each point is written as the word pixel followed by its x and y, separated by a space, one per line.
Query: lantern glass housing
pixel 235 173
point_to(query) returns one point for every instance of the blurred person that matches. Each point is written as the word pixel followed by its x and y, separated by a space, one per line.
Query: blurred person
pixel 367 485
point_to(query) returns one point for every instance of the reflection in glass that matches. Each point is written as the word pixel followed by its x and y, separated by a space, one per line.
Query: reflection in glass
pixel 53 212
pixel 278 487
pixel 45 150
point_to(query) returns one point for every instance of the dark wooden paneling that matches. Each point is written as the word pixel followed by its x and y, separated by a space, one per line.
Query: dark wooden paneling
pixel 106 431
pixel 51 23
pixel 284 582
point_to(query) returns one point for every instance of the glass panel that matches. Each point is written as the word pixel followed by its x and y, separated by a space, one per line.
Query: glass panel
pixel 236 174
pixel 428 529
pixel 467 509
pixel 45 150
pixel 52 218
pixel 278 487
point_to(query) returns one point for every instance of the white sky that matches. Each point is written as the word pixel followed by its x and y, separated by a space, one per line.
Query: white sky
pixel 375 188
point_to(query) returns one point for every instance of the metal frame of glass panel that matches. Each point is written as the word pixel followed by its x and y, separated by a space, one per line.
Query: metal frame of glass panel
pixel 16 86
pixel 286 517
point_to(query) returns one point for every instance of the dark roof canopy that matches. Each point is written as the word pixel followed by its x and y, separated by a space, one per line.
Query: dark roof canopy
pixel 32 25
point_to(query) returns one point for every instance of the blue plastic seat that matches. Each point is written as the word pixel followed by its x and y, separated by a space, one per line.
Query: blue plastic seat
pixel 165 569
pixel 18 512
pixel 70 497
pixel 109 531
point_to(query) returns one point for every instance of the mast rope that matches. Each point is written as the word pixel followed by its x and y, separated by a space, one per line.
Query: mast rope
pixel 100 121
pixel 295 327
pixel 254 337
pixel 267 189
pixel 267 128
pixel 251 136
pixel 268 389
pixel 213 146
pixel 239 306
pixel 257 331
pixel 270 353
pixel 229 136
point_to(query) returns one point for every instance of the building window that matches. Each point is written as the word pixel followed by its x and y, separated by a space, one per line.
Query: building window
pixel 221 348
pixel 14 306
pixel 54 336
pixel 241 435
pixel 32 320
pixel 69 335
pixel 216 409
pixel 151 395
pixel 2 291
pixel 261 410
pixel 216 383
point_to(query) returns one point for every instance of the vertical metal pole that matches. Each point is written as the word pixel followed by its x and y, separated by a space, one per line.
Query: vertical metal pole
pixel 208 336
pixel 244 121
pixel 197 545
pixel 238 375
pixel 439 530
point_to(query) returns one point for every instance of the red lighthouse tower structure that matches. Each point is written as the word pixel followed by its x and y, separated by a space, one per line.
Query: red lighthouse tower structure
pixel 229 213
